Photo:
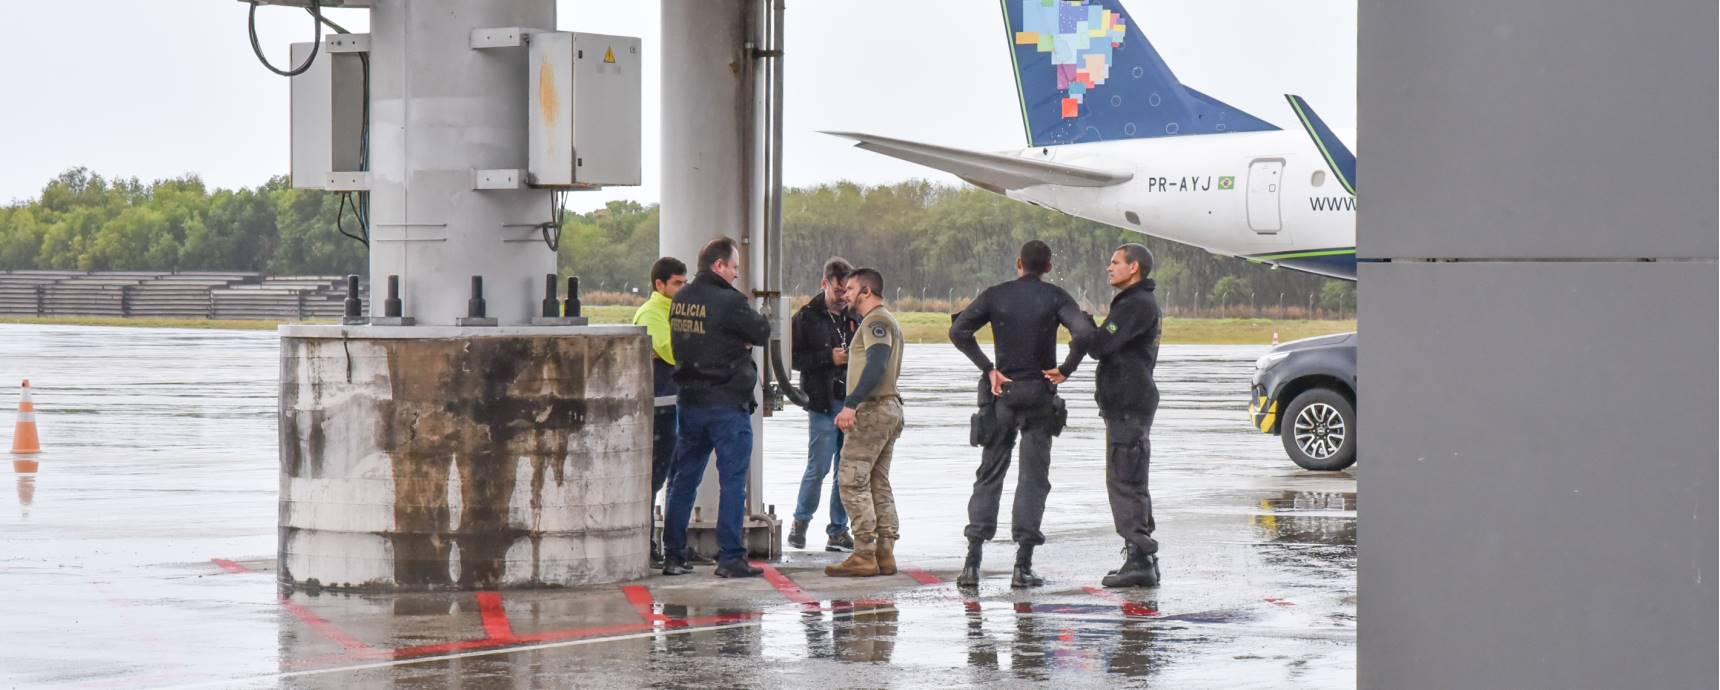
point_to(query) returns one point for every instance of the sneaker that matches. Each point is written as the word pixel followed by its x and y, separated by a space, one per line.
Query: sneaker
pixel 840 542
pixel 797 535
pixel 737 569
pixel 676 566
pixel 693 557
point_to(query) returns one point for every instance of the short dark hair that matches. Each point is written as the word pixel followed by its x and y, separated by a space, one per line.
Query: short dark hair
pixel 720 249
pixel 1138 254
pixel 1036 257
pixel 666 269
pixel 837 269
pixel 870 279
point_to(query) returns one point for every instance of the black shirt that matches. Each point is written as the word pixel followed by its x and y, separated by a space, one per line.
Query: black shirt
pixel 1024 315
pixel 712 329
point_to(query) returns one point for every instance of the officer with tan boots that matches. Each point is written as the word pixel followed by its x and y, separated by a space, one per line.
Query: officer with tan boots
pixel 871 422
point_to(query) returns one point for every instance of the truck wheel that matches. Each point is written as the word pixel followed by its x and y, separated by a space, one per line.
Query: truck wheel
pixel 1319 430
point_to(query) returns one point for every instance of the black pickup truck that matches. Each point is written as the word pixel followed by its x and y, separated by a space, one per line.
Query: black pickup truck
pixel 1305 391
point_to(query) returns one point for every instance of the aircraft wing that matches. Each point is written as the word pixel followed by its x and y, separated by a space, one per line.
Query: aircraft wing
pixel 992 171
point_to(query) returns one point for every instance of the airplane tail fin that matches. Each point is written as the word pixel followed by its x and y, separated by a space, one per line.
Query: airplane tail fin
pixel 1084 72
pixel 1338 156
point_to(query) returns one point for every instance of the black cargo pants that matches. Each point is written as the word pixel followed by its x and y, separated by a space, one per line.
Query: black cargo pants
pixel 1128 455
pixel 1033 482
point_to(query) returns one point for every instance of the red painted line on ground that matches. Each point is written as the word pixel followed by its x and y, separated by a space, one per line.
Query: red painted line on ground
pixel 556 635
pixel 921 576
pixel 1130 608
pixel 230 566
pixel 496 623
pixel 645 604
pixel 326 628
pixel 1280 602
pixel 782 583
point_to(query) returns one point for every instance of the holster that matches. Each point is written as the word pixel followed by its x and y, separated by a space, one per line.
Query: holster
pixel 983 426
pixel 1059 416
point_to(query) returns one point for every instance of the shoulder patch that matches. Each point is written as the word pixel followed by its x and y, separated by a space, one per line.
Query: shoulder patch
pixel 1112 327
pixel 879 331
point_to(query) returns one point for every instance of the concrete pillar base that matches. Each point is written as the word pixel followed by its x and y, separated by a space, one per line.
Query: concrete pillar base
pixel 464 458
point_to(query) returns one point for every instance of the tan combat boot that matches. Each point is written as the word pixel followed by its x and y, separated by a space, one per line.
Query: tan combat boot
pixel 862 563
pixel 886 556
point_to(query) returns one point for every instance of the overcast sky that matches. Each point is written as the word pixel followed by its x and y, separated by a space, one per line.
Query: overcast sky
pixel 160 88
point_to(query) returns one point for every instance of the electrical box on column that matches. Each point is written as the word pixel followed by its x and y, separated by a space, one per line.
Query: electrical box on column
pixel 328 115
pixel 584 93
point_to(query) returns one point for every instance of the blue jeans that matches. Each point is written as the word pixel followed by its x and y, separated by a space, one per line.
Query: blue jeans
pixel 823 452
pixel 703 429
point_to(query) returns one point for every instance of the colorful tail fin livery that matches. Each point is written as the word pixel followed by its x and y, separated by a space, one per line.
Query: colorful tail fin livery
pixel 1084 72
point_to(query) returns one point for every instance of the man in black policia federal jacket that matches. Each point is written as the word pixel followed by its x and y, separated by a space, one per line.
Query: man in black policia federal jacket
pixel 713 330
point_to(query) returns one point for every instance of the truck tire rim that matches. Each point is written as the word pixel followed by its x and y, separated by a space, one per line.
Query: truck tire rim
pixel 1320 431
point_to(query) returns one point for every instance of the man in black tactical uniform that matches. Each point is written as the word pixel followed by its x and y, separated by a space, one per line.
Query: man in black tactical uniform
pixel 1018 396
pixel 1127 347
pixel 713 330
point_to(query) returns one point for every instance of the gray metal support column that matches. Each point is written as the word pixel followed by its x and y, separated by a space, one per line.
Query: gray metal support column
pixel 710 178
pixel 1538 226
pixel 439 111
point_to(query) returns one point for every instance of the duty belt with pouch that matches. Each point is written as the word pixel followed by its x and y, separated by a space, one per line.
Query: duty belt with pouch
pixel 1021 400
pixel 1036 399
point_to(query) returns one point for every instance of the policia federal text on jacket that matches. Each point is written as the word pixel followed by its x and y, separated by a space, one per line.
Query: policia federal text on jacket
pixel 1024 315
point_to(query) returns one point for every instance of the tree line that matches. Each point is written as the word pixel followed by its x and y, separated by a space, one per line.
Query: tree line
pixel 933 243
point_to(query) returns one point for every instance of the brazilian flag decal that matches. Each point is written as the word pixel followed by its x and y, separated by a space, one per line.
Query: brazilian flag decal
pixel 1227 182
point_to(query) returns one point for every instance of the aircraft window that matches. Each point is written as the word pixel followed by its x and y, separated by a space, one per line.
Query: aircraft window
pixel 1318 178
pixel 1130 215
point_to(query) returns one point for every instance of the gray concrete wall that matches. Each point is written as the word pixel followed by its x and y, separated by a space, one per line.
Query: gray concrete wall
pixel 1539 401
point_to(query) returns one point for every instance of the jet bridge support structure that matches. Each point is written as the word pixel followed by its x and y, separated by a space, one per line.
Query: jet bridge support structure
pixel 721 176
pixel 468 433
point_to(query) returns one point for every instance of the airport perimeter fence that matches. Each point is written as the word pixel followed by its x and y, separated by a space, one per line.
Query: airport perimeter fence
pixel 162 294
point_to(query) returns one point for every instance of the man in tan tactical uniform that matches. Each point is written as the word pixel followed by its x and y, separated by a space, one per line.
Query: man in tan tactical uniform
pixel 871 421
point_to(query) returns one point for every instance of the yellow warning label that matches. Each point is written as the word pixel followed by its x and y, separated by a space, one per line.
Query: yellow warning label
pixel 609 56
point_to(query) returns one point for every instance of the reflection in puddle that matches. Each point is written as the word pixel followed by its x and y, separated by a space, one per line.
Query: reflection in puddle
pixel 1308 517
pixel 26 471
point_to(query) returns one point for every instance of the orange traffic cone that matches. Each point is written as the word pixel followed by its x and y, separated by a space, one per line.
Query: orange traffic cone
pixel 24 440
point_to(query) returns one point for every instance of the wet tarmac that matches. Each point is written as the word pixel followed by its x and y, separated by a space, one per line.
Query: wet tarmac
pixel 138 550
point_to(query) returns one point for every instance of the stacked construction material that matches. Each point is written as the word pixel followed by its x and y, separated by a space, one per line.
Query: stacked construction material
pixel 21 291
pixel 93 294
pixel 183 295
pixel 282 299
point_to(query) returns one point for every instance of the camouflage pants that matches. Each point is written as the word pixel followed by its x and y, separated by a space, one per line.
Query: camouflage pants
pixel 864 472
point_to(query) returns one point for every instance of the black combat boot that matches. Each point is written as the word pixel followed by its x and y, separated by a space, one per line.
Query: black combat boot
pixel 970 569
pixel 797 535
pixel 1024 575
pixel 1140 570
pixel 675 565
pixel 737 568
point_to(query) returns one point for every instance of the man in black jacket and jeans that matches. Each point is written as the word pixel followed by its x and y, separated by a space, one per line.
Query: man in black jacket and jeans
pixel 1127 347
pixel 713 330
pixel 822 330
pixel 1024 315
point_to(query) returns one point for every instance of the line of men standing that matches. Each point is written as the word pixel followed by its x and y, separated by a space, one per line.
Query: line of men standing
pixel 705 379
